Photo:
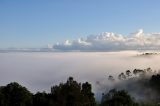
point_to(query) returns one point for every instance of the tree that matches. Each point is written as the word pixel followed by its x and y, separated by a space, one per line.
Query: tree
pixel 88 96
pixel 121 76
pixel 138 72
pixel 15 95
pixel 73 93
pixel 110 78
pixel 117 98
pixel 128 73
pixel 155 83
pixel 2 98
pixel 149 70
pixel 41 99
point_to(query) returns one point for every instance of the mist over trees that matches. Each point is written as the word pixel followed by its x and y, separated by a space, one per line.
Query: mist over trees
pixel 142 84
pixel 140 87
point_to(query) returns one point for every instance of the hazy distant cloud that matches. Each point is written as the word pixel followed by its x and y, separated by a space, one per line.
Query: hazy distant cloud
pixel 110 41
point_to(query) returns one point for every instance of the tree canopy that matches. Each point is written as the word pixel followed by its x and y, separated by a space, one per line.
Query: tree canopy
pixel 117 98
pixel 14 94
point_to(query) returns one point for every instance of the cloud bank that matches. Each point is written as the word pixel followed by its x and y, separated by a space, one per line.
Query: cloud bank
pixel 111 42
pixel 39 71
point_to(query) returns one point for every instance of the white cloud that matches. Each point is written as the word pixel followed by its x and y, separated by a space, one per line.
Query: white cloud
pixel 110 41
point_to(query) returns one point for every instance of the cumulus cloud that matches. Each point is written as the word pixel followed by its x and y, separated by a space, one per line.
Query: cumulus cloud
pixel 108 41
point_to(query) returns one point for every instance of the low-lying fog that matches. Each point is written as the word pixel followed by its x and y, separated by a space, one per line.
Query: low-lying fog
pixel 38 71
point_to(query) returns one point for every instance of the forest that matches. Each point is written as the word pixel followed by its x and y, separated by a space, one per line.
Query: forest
pixel 140 87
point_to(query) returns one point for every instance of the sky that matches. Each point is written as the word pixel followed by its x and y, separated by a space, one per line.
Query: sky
pixel 36 23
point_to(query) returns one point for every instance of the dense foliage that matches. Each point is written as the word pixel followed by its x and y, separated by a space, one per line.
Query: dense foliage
pixel 72 93
pixel 117 98
pixel 14 94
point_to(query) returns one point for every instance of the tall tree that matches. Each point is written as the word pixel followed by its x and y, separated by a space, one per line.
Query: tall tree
pixel 73 93
pixel 88 96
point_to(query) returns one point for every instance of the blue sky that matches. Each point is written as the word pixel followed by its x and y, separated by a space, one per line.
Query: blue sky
pixel 35 23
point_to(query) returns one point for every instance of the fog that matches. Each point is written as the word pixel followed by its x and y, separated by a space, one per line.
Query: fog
pixel 38 71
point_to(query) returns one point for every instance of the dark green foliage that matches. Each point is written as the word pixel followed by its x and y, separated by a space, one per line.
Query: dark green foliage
pixel 15 95
pixel 117 98
pixel 67 94
pixel 2 98
pixel 87 95
pixel 72 93
pixel 155 81
pixel 155 84
pixel 40 99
